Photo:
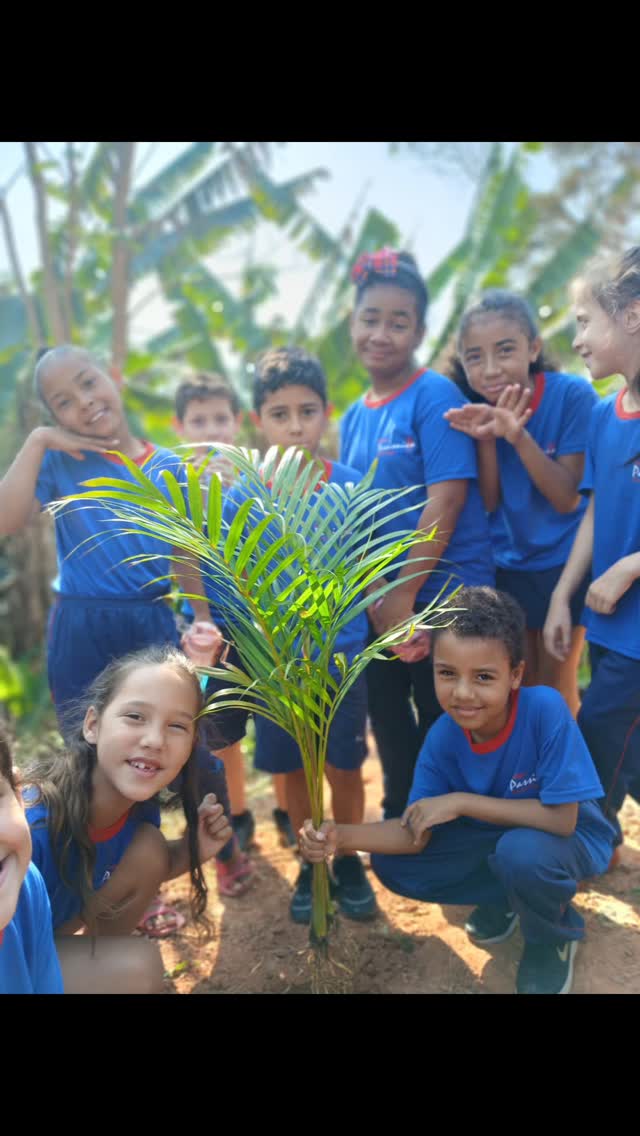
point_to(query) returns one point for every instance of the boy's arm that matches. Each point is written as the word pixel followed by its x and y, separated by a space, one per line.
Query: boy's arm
pixel 186 570
pixel 387 836
pixel 560 820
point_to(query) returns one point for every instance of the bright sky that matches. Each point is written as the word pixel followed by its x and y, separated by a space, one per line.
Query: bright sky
pixel 428 206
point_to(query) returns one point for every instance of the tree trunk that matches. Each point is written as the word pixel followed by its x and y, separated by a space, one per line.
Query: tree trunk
pixel 72 239
pixel 54 313
pixel 124 152
pixel 35 332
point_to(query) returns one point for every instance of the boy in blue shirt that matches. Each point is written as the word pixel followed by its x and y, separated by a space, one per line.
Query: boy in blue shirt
pixel 502 812
pixel 207 410
pixel 291 409
pixel 28 959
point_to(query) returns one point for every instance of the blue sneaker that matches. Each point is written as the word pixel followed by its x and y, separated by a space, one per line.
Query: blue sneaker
pixel 300 906
pixel 546 968
pixel 351 888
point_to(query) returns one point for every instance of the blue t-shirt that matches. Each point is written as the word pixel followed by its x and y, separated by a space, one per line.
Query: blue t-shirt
pixel 540 754
pixel 95 569
pixel 527 532
pixel 28 960
pixel 111 844
pixel 415 446
pixel 612 472
pixel 351 638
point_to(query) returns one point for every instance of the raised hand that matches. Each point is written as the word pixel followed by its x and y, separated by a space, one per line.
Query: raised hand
pixel 68 442
pixel 511 413
pixel 214 828
pixel 472 419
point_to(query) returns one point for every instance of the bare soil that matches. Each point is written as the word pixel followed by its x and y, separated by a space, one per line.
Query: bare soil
pixel 409 948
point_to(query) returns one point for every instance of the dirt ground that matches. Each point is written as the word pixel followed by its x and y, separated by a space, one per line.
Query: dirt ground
pixel 409 948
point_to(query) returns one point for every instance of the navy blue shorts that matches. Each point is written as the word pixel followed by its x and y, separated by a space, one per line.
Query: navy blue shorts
pixel 224 727
pixel 533 591
pixel 610 722
pixel 87 633
pixel 277 752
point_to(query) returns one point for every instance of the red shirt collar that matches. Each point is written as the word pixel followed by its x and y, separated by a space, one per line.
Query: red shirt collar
pixel 538 392
pixel 373 402
pixel 101 835
pixel 504 735
pixel 149 449
pixel 620 410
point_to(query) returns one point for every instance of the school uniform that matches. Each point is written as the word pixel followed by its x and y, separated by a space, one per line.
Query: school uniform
pixel 110 846
pixel 413 444
pixel 540 754
pixel 532 540
pixel 610 712
pixel 104 607
pixel 28 959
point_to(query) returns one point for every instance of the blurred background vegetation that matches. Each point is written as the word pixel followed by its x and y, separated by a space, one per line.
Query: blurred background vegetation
pixel 108 240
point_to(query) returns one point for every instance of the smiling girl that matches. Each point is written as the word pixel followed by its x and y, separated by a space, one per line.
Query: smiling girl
pixel 530 424
pixel 94 817
pixel 607 309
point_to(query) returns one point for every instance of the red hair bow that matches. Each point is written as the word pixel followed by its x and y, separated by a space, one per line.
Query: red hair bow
pixel 384 262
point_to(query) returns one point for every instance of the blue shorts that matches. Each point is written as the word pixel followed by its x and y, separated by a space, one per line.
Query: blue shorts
pixel 277 752
pixel 533 591
pixel 224 727
pixel 87 633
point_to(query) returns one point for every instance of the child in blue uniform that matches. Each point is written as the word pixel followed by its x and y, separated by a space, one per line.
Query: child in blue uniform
pixel 607 306
pixel 28 959
pixel 207 410
pixel 104 607
pixel 502 810
pixel 531 429
pixel 291 409
pixel 94 819
pixel 400 422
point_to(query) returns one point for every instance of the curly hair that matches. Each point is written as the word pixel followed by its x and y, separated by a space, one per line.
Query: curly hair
pixel 279 367
pixel 64 782
pixel 488 614
pixel 204 385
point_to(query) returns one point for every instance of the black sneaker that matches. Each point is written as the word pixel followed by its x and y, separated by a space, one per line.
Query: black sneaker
pixel 352 889
pixel 546 969
pixel 285 831
pixel 490 924
pixel 244 826
pixel 300 906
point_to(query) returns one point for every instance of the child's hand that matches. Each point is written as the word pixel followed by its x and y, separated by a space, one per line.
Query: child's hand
pixel 415 648
pixel 202 640
pixel 221 467
pixel 55 438
pixel 474 419
pixel 393 609
pixel 214 828
pixel 557 629
pixel 320 845
pixel 511 413
pixel 423 815
pixel 605 592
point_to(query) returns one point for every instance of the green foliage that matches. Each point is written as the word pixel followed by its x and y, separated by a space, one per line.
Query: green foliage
pixel 291 569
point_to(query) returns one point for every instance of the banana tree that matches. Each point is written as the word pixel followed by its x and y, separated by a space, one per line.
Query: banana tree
pixel 292 567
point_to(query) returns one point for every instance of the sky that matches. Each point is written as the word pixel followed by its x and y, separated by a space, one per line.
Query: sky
pixel 428 206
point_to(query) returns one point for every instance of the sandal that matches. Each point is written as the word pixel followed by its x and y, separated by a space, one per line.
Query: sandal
pixel 234 878
pixel 160 920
